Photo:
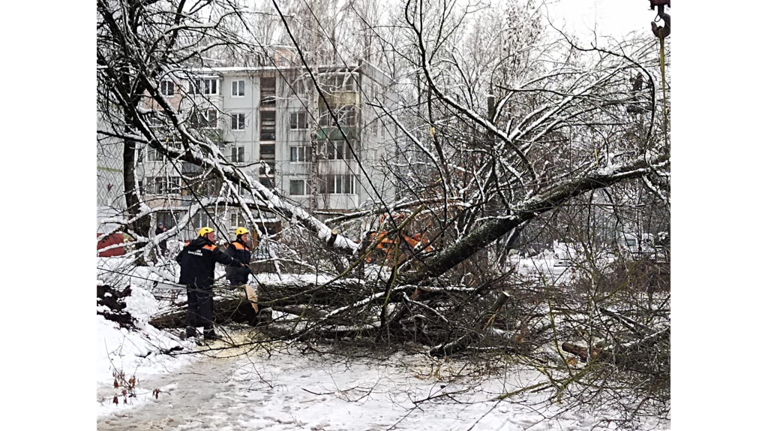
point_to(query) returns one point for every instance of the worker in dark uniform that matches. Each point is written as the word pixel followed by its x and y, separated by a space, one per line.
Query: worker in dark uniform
pixel 240 251
pixel 198 259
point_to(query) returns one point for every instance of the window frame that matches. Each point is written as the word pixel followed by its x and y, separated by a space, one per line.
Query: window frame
pixel 236 86
pixel 203 86
pixel 298 123
pixel 302 155
pixel 237 154
pixel 304 187
pixel 337 149
pixel 202 119
pixel 235 121
pixel 336 184
pixel 165 84
pixel 173 185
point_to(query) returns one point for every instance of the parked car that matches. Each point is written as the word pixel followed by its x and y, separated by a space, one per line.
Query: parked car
pixel 111 239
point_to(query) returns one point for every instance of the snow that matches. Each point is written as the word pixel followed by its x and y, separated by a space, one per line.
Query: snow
pixel 273 386
pixel 123 350
pixel 103 214
pixel 553 265
pixel 558 265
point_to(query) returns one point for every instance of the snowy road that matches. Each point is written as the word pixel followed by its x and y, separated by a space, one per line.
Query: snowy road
pixel 182 404
pixel 291 391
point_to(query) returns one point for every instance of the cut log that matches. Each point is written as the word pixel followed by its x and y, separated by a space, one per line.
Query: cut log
pixel 232 308
pixel 332 238
pixel 621 354
pixel 583 352
pixel 250 294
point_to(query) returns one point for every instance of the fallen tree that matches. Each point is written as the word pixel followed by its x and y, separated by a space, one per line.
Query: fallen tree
pixel 498 156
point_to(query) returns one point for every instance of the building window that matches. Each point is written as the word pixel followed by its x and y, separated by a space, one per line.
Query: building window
pixel 163 185
pixel 238 121
pixel 211 187
pixel 268 87
pixel 298 120
pixel 166 88
pixel 267 126
pixel 174 185
pixel 346 115
pixel 299 87
pixel 325 118
pixel 298 188
pixel 337 184
pixel 153 155
pixel 267 151
pixel 200 219
pixel 206 119
pixel 238 154
pixel 206 86
pixel 156 185
pixel 340 82
pixel 236 220
pixel 339 150
pixel 167 218
pixel 238 88
pixel 300 154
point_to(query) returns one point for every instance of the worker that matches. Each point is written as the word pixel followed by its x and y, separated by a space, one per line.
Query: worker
pixel 240 251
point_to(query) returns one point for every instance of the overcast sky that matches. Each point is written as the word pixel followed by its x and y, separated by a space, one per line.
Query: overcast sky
pixel 610 17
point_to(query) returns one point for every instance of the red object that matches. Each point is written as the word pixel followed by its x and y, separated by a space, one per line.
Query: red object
pixel 112 239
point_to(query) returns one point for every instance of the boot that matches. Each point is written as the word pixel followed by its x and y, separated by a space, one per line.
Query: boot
pixel 191 332
pixel 264 315
pixel 209 335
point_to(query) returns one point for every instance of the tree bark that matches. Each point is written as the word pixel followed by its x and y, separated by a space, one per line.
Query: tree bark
pixel 538 204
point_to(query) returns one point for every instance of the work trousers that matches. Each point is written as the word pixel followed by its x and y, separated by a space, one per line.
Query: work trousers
pixel 199 307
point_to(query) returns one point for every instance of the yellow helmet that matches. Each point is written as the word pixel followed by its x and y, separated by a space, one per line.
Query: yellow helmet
pixel 241 230
pixel 204 231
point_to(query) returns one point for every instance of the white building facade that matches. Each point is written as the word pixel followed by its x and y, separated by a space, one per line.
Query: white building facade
pixel 263 120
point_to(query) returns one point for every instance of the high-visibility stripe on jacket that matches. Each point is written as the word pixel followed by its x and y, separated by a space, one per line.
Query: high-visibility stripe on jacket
pixel 239 251
pixel 198 259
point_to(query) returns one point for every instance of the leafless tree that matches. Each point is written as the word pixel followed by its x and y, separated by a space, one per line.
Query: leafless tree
pixel 507 137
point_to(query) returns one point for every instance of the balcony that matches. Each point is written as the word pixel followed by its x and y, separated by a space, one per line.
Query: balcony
pixel 334 134
pixel 342 98
pixel 190 169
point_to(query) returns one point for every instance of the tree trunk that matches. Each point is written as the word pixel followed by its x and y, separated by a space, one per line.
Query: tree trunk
pixel 540 203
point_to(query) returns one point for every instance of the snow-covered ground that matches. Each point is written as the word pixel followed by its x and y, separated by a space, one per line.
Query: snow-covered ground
pixel 289 390
pixel 277 387
pixel 556 266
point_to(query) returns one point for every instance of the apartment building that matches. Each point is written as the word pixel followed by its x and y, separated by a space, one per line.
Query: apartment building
pixel 263 120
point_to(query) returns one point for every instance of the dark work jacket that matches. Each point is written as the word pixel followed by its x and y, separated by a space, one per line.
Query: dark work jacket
pixel 198 259
pixel 239 251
